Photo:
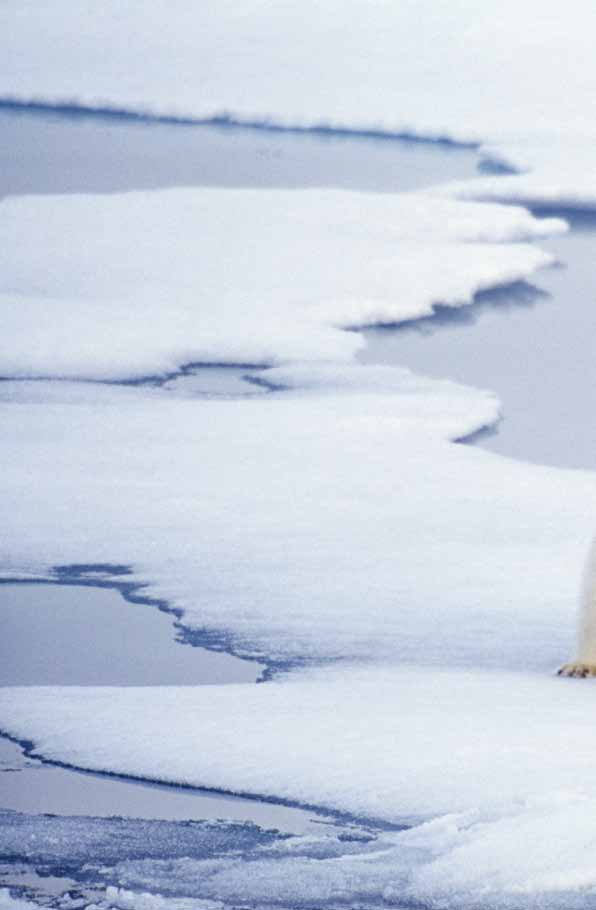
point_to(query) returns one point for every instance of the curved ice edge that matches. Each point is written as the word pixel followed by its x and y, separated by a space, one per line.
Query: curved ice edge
pixel 111 575
pixel 151 380
pixel 517 292
pixel 579 214
pixel 480 434
pixel 576 212
pixel 323 813
pixel 225 119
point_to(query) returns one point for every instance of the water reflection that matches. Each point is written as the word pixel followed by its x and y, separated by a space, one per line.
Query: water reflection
pixel 534 345
pixel 49 152
pixel 80 635
pixel 28 786
pixel 511 296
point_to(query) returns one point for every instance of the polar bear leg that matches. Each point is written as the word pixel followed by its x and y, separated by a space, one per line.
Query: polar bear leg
pixel 584 664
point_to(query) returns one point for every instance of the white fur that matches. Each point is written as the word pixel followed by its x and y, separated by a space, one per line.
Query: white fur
pixel 585 664
pixel 586 633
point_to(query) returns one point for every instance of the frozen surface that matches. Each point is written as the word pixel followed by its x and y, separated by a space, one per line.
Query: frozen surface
pixel 340 566
pixel 74 841
pixel 393 66
pixel 115 287
pixel 449 573
pixel 205 861
pixel 423 68
pixel 407 734
pixel 417 593
pixel 557 175
pixel 513 339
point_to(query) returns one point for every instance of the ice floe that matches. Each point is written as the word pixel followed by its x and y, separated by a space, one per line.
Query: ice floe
pixel 432 68
pixel 326 522
pixel 487 754
pixel 417 593
pixel 306 525
pixel 122 286
pixel 519 78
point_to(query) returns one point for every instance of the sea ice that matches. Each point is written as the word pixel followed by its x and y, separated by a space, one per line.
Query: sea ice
pixel 331 519
pixel 478 751
pixel 518 77
pixel 353 527
pixel 136 284
pixel 417 592
pixel 564 182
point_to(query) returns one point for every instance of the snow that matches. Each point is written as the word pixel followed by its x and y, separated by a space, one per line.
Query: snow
pixel 122 286
pixel 518 78
pixel 442 577
pixel 494 755
pixel 563 182
pixel 322 502
pixel 332 518
pixel 417 593
pixel 417 66
pixel 398 869
pixel 406 733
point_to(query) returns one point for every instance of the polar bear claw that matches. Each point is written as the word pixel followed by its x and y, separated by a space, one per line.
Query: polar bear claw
pixel 578 670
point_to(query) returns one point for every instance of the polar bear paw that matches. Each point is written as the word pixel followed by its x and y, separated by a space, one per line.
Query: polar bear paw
pixel 577 669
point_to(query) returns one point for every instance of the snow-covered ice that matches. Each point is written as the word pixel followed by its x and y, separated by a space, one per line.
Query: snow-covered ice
pixel 306 524
pixel 519 78
pixel 418 593
pixel 481 751
pixel 386 742
pixel 565 182
pixel 127 285
pixel 331 519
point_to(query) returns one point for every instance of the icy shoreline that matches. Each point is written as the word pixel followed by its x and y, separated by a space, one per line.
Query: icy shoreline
pixel 451 73
pixel 122 286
